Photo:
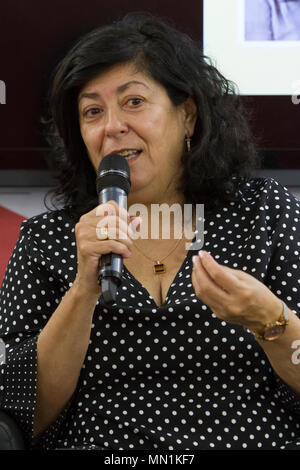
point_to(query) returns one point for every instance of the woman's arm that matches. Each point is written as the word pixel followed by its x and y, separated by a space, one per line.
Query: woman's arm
pixel 240 298
pixel 237 297
pixel 47 335
pixel 63 343
pixel 61 350
pixel 280 353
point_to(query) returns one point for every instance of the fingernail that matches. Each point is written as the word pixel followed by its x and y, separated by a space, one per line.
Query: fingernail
pixel 135 223
pixel 195 259
pixel 201 254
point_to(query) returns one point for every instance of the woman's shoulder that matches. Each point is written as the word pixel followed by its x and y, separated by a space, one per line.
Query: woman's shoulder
pixel 266 189
pixel 51 218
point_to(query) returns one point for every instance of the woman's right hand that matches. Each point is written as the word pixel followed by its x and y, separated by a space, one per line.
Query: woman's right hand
pixel 90 246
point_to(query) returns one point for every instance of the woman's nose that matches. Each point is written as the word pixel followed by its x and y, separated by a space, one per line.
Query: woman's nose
pixel 115 123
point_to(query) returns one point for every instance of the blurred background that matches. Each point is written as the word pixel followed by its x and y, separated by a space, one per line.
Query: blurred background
pixel 35 35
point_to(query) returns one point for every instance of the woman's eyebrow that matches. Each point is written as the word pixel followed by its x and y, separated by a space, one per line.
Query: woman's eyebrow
pixel 124 87
pixel 120 89
pixel 91 96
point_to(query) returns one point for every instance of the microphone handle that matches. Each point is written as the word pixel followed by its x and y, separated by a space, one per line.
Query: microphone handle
pixel 111 264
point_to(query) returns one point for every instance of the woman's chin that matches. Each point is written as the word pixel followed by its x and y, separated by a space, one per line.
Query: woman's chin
pixel 140 192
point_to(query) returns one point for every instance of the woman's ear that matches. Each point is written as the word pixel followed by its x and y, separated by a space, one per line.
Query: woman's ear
pixel 190 110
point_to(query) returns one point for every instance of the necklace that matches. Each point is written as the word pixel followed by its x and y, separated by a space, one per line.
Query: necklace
pixel 158 266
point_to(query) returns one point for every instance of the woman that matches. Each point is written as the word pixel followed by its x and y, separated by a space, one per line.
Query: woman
pixel 173 363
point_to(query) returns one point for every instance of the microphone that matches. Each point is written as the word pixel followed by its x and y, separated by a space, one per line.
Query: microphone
pixel 113 183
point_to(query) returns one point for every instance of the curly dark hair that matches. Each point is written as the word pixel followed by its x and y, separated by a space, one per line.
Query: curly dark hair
pixel 223 152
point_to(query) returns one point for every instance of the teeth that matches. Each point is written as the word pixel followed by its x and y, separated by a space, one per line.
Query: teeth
pixel 128 154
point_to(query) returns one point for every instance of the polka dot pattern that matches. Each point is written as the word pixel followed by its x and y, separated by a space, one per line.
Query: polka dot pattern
pixel 169 377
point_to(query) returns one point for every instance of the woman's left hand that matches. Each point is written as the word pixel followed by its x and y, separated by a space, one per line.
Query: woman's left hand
pixel 233 295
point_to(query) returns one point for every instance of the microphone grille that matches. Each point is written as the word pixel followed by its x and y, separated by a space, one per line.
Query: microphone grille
pixel 113 171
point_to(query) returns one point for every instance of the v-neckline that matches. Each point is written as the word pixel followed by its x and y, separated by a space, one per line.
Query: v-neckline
pixel 187 256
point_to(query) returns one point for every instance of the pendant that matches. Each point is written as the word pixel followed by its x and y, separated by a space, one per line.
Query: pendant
pixel 159 268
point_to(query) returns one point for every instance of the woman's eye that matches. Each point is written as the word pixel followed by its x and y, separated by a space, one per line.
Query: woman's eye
pixel 91 112
pixel 135 101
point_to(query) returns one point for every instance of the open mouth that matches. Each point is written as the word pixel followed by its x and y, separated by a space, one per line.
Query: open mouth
pixel 130 154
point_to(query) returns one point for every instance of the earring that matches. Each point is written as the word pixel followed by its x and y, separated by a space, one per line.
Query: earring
pixel 188 143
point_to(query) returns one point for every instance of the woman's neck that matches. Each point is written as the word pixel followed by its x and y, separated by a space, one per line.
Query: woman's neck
pixel 164 220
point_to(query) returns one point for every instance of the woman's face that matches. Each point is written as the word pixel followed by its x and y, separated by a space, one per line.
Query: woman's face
pixel 126 112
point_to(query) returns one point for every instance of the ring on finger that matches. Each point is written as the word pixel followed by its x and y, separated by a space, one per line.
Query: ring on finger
pixel 102 233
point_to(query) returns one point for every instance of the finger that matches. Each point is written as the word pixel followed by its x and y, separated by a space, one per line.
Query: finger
pixel 134 224
pixel 205 287
pixel 223 276
pixel 107 246
pixel 112 208
pixel 116 229
pixel 106 208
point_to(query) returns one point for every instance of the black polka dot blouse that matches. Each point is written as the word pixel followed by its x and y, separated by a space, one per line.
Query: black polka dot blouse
pixel 169 377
